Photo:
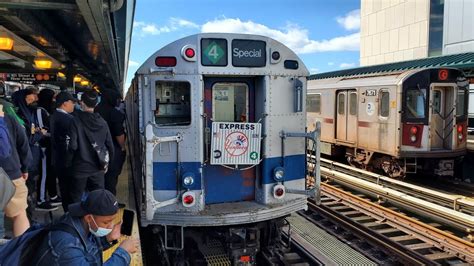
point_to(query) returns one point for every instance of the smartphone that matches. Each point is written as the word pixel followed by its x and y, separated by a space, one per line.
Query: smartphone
pixel 127 222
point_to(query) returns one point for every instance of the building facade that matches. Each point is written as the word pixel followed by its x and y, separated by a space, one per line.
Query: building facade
pixel 401 30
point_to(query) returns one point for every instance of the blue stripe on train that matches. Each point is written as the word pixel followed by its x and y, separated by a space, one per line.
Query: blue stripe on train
pixel 164 174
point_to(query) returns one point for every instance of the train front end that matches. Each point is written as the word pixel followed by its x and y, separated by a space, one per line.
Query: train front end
pixel 434 120
pixel 224 138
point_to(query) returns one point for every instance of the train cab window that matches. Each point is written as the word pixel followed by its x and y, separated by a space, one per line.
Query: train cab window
pixel 230 102
pixel 313 103
pixel 461 103
pixel 341 103
pixel 353 103
pixel 384 110
pixel 173 103
pixel 415 103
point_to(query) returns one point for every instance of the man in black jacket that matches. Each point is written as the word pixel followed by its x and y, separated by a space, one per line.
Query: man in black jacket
pixel 16 167
pixel 60 123
pixel 92 148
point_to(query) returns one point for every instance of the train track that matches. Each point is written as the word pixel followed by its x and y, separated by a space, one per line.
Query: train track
pixel 452 210
pixel 408 239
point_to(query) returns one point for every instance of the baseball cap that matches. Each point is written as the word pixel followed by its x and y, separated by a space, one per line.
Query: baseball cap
pixel 90 99
pixel 63 97
pixel 99 202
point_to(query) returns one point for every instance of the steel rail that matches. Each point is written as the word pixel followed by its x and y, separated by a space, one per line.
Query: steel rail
pixel 448 243
pixel 456 202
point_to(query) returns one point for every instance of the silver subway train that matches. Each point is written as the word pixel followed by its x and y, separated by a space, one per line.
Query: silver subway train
pixel 219 141
pixel 398 122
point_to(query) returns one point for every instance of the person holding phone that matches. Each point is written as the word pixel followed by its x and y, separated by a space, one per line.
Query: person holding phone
pixel 92 230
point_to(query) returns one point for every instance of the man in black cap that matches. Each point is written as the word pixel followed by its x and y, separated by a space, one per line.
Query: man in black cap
pixel 60 125
pixel 91 229
pixel 92 148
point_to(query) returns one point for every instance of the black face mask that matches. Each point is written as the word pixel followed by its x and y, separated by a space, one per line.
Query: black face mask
pixel 33 105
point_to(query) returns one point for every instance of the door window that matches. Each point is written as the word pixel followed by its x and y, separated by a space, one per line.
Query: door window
pixel 461 103
pixel 436 101
pixel 230 102
pixel 173 103
pixel 353 103
pixel 341 103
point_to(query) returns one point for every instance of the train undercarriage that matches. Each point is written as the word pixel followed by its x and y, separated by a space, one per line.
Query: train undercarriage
pixel 397 168
pixel 226 245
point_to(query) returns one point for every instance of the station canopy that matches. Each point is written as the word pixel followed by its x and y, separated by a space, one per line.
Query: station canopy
pixel 70 37
pixel 464 61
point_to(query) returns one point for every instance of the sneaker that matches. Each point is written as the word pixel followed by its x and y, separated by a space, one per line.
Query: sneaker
pixel 56 201
pixel 45 207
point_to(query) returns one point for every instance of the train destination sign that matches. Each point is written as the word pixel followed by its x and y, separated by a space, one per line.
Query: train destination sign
pixel 214 52
pixel 247 53
pixel 28 77
pixel 235 143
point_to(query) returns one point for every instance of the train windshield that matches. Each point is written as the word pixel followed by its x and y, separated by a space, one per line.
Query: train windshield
pixel 416 102
pixel 173 103
pixel 461 103
pixel 230 102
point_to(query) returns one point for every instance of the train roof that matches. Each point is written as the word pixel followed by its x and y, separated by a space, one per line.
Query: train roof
pixel 247 67
pixel 464 61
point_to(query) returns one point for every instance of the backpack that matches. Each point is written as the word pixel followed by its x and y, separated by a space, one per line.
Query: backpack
pixel 31 245
pixel 5 145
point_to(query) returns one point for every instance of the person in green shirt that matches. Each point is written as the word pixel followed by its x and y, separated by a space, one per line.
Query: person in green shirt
pixel 8 107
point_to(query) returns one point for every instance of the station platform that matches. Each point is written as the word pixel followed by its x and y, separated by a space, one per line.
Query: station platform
pixel 326 247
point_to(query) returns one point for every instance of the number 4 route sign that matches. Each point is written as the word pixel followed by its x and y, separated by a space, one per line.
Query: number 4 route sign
pixel 214 52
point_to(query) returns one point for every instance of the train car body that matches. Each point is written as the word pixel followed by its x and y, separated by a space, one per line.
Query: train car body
pixel 221 140
pixel 399 122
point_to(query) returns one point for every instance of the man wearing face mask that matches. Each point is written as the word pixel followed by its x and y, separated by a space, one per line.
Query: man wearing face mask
pixel 92 230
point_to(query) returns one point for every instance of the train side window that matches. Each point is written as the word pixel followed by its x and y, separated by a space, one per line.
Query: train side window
pixel 384 110
pixel 173 103
pixel 313 103
pixel 341 103
pixel 415 103
pixel 461 103
pixel 353 103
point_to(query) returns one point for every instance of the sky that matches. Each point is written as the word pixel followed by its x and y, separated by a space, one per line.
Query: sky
pixel 324 33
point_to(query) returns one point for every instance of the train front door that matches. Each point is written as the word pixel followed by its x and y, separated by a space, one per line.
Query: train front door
pixel 227 100
pixel 346 116
pixel 442 117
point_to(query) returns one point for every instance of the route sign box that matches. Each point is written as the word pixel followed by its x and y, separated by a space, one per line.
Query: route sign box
pixel 235 143
pixel 214 52
pixel 247 53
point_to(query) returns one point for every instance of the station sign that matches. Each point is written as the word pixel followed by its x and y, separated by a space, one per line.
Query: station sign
pixel 28 77
pixel 235 143
pixel 247 53
pixel 214 52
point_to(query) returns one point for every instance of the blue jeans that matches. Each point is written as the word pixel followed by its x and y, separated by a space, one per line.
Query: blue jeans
pixel 2 225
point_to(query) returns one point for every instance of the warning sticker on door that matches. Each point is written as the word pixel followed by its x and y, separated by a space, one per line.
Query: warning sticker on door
pixel 235 143
pixel 370 108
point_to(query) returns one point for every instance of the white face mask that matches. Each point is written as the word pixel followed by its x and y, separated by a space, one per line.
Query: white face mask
pixel 101 232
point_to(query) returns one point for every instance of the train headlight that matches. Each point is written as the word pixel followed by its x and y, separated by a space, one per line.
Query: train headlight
pixel 278 174
pixel 413 138
pixel 188 199
pixel 188 180
pixel 460 136
pixel 279 191
pixel 188 52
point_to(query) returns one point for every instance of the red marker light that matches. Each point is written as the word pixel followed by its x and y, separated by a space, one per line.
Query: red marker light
pixel 460 128
pixel 279 192
pixel 413 130
pixel 190 52
pixel 245 258
pixel 165 61
pixel 443 74
pixel 188 199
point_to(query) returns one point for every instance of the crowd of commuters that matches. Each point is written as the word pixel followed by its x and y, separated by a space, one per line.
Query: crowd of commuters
pixel 61 151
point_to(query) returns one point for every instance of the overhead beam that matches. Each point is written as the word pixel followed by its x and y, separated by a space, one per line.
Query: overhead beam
pixel 35 4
